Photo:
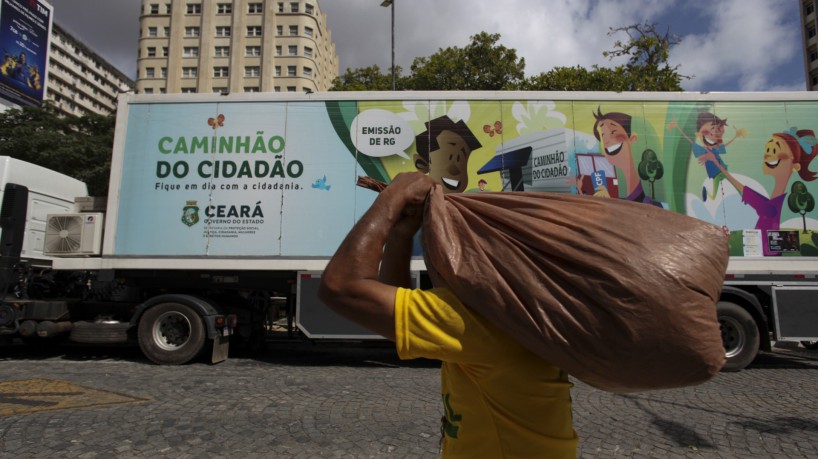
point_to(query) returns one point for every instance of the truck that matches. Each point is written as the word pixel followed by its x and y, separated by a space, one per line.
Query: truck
pixel 223 210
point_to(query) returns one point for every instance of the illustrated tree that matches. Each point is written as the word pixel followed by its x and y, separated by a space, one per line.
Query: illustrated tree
pixel 650 169
pixel 79 147
pixel 801 201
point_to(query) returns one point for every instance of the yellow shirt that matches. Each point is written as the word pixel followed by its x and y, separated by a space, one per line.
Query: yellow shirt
pixel 500 400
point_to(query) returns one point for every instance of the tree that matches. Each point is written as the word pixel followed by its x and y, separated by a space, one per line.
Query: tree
pixel 482 65
pixel 79 147
pixel 577 79
pixel 367 79
pixel 647 52
pixel 646 69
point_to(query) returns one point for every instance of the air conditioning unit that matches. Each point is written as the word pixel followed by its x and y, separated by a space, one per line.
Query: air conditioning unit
pixel 73 234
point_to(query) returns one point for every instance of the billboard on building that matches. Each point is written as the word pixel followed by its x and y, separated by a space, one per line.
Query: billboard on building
pixel 25 31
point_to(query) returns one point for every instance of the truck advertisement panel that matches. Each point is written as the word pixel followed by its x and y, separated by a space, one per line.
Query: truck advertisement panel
pixel 25 31
pixel 278 179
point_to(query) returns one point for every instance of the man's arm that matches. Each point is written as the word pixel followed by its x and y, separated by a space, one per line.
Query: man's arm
pixel 352 284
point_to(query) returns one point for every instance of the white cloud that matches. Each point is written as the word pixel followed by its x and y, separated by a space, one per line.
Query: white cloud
pixel 750 45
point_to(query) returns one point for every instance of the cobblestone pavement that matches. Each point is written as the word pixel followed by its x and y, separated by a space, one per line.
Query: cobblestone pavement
pixel 298 400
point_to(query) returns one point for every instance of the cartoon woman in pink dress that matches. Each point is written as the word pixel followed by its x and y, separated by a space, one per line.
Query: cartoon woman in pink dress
pixel 786 153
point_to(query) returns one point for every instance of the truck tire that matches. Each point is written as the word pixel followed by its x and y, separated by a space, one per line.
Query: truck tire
pixel 739 333
pixel 99 332
pixel 171 334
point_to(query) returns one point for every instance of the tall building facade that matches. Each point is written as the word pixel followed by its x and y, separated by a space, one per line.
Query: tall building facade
pixel 809 32
pixel 230 46
pixel 79 80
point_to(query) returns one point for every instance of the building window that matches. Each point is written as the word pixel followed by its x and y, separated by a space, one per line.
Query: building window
pixel 223 31
pixel 221 72
pixel 190 51
pixel 189 72
pixel 280 7
pixel 308 31
pixel 254 8
pixel 279 30
pixel 188 90
pixel 163 90
pixel 252 51
pixel 293 7
pixel 252 71
pixel 166 32
pixel 163 72
pixel 153 31
pixel 224 8
pixel 167 8
pixel 278 70
pixel 277 89
pixel 191 31
pixel 307 51
pixel 222 51
pixel 165 51
pixel 291 89
pixel 253 31
pixel 150 72
pixel 151 51
pixel 148 91
pixel 154 8
pixel 292 50
pixel 251 89
pixel 307 72
pixel 811 32
pixel 809 8
pixel 308 8
pixel 291 70
pixel 278 50
pixel 813 55
pixel 194 8
pixel 293 30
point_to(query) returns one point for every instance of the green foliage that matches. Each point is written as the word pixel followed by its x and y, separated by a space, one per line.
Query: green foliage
pixel 646 68
pixel 578 79
pixel 368 79
pixel 485 64
pixel 647 52
pixel 80 147
pixel 482 65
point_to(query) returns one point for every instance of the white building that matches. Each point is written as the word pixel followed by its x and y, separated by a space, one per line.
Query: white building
pixel 80 81
pixel 230 46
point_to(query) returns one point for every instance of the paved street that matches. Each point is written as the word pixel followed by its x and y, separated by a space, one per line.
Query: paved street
pixel 303 400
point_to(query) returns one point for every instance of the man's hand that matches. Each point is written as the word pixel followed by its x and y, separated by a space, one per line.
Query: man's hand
pixel 351 284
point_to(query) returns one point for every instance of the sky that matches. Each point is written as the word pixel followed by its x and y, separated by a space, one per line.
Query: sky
pixel 726 45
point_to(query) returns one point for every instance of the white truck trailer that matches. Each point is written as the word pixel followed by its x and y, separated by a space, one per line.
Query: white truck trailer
pixel 220 207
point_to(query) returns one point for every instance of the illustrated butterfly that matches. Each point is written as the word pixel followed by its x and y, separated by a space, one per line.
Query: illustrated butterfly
pixel 217 122
pixel 496 129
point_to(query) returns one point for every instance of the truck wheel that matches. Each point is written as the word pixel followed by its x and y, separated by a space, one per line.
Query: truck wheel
pixel 811 345
pixel 171 334
pixel 739 334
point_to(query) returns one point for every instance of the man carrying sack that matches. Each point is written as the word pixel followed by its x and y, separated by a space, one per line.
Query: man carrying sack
pixel 499 398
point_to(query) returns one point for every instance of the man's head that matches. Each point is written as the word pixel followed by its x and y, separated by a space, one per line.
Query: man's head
pixel 443 152
pixel 613 130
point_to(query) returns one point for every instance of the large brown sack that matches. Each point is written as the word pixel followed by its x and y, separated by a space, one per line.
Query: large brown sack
pixel 620 295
